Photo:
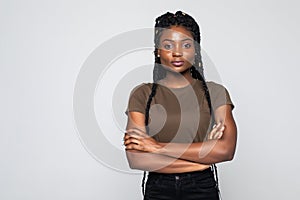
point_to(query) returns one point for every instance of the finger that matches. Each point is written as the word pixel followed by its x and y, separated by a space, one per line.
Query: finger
pixel 127 136
pixel 132 140
pixel 213 132
pixel 216 128
pixel 220 128
pixel 218 125
pixel 219 134
pixel 216 134
pixel 132 146
pixel 211 135
pixel 138 137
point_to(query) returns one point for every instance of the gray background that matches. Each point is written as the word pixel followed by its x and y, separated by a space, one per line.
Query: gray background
pixel 43 44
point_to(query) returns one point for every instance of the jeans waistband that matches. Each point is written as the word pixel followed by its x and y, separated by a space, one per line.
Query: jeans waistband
pixel 182 175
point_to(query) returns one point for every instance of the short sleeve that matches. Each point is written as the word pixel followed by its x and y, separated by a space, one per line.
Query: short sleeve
pixel 219 95
pixel 138 98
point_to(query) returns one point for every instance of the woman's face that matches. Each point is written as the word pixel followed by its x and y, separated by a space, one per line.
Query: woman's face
pixel 176 49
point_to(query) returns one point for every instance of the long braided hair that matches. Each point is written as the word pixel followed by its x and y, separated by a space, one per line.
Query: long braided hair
pixel 163 22
pixel 178 19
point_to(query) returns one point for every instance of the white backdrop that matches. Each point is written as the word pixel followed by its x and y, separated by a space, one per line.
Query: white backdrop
pixel 43 45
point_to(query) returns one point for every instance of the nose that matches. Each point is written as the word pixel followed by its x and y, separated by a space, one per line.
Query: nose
pixel 177 52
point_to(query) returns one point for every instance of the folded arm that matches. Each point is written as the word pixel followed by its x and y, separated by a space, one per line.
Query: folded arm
pixel 160 163
pixel 208 152
pixel 155 162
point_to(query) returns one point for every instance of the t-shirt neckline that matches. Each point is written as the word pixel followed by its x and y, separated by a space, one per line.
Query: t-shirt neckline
pixel 181 88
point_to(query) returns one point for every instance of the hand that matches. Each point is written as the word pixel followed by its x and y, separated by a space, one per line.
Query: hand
pixel 136 139
pixel 217 132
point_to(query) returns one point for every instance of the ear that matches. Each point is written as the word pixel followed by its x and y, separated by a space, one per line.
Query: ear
pixel 158 52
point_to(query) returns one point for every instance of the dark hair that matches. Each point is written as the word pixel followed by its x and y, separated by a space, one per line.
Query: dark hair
pixel 161 23
pixel 166 21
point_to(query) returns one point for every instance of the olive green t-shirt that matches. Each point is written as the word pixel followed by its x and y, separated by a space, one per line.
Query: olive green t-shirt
pixel 179 115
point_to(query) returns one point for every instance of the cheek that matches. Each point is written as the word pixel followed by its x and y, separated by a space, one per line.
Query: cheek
pixel 166 55
pixel 190 56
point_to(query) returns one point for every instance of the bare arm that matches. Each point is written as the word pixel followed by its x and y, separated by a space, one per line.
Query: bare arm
pixel 155 162
pixel 160 163
pixel 212 151
pixel 208 152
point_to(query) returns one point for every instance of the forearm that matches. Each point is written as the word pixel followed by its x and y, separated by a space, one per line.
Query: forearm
pixel 160 163
pixel 208 152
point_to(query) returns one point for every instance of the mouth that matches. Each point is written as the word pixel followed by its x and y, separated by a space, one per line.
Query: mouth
pixel 177 63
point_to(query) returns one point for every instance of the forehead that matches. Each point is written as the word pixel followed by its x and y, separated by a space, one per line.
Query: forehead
pixel 176 33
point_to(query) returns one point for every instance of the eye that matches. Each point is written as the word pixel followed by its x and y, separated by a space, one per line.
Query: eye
pixel 168 46
pixel 187 45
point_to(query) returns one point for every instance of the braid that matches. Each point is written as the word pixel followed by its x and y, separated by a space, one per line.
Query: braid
pixel 152 94
pixel 180 18
pixel 165 21
pixel 161 23
pixel 196 75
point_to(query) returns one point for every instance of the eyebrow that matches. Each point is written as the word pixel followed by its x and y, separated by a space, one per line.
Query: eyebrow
pixel 173 40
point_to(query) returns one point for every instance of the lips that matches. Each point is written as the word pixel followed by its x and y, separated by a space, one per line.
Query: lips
pixel 177 63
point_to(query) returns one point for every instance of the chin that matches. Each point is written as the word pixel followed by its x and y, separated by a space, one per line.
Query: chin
pixel 178 71
pixel 181 69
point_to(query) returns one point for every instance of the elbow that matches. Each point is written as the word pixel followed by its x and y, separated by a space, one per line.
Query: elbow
pixel 133 164
pixel 226 151
pixel 133 161
pixel 228 154
pixel 137 166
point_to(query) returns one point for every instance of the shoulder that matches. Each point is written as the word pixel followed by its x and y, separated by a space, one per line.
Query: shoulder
pixel 216 88
pixel 212 86
pixel 141 89
pixel 219 94
pixel 138 98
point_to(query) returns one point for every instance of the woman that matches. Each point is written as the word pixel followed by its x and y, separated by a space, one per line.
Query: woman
pixel 169 131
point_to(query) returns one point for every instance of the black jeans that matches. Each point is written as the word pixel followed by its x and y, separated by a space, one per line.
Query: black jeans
pixel 182 186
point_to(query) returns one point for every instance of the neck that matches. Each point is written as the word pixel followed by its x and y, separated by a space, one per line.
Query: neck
pixel 177 80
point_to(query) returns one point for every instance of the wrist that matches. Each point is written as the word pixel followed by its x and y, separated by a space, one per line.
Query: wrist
pixel 160 148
